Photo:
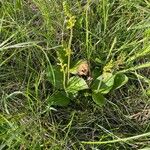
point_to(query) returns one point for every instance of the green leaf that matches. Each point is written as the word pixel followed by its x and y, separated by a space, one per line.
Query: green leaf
pixel 139 54
pixel 76 84
pixel 141 66
pixel 57 81
pixel 98 98
pixel 148 92
pixel 120 80
pixel 95 73
pixel 59 99
pixel 103 83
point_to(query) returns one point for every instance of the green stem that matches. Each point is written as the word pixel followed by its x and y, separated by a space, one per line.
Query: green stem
pixel 64 80
pixel 69 53
pixel 120 140
pixel 87 29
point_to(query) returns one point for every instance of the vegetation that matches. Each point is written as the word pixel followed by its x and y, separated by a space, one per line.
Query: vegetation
pixel 45 102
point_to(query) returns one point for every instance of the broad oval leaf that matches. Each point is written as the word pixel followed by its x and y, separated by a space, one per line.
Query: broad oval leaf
pixel 98 98
pixel 59 99
pixel 120 80
pixel 103 83
pixel 76 84
pixel 57 81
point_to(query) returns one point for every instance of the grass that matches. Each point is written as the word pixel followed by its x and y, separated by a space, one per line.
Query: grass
pixel 32 32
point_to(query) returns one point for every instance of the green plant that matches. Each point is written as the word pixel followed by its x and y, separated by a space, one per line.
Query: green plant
pixel 52 37
pixel 112 76
pixel 110 79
